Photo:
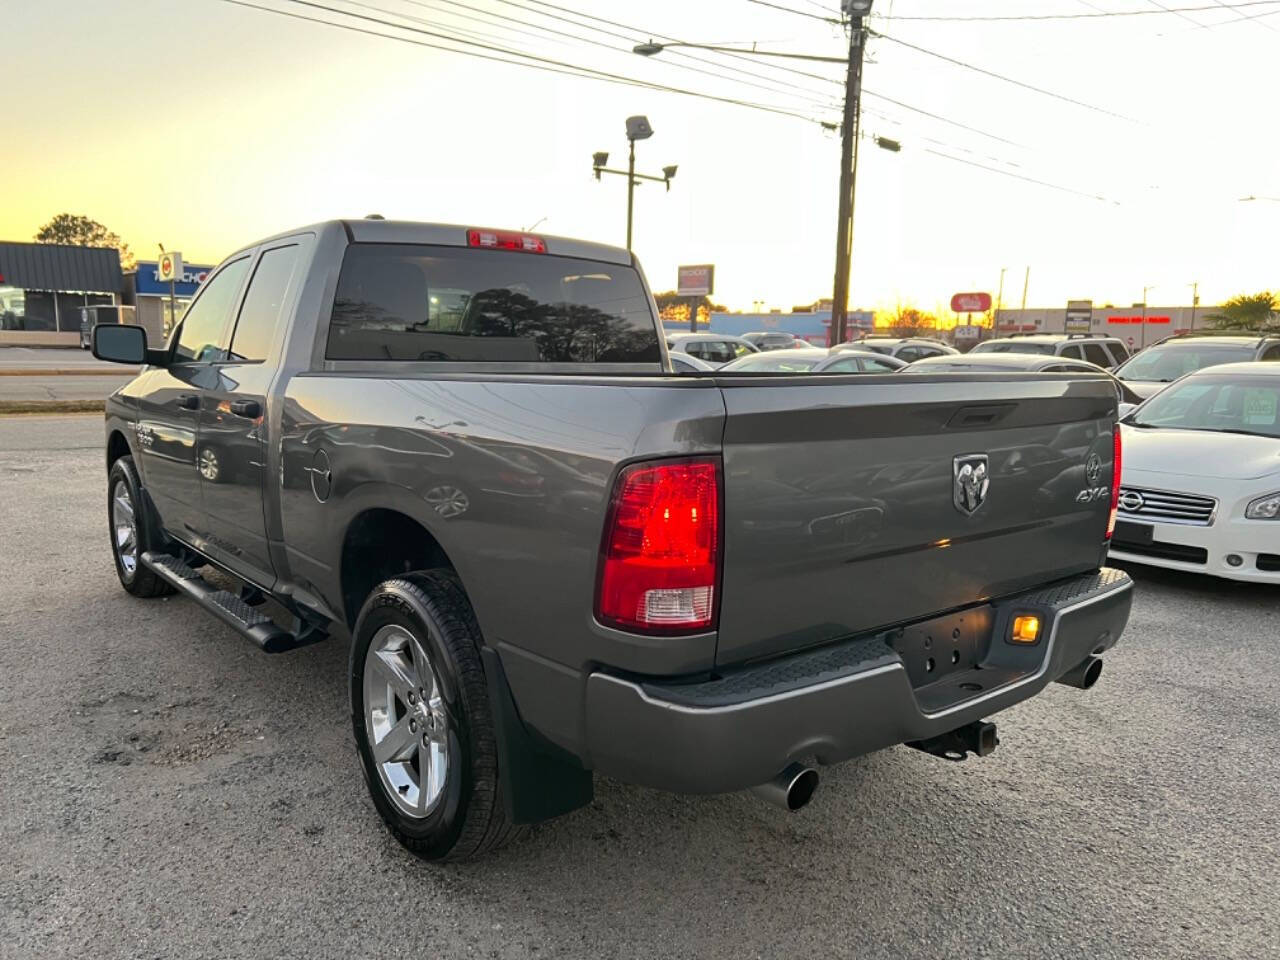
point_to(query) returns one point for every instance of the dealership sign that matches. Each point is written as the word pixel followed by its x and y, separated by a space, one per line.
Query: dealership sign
pixel 149 279
pixel 971 303
pixel 1079 316
pixel 696 281
pixel 1139 319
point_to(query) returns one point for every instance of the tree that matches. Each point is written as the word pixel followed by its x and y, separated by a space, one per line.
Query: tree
pixel 904 320
pixel 1248 311
pixel 71 228
pixel 673 309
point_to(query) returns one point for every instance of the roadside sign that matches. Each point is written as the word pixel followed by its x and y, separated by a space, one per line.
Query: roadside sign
pixel 971 303
pixel 698 280
pixel 1079 316
pixel 966 331
pixel 170 266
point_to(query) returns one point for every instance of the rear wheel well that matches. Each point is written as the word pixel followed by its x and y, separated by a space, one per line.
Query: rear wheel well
pixel 379 545
pixel 117 447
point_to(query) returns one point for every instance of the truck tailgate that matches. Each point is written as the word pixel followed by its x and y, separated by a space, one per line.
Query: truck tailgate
pixel 842 508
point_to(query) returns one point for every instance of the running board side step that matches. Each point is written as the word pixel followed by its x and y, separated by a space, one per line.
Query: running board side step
pixel 254 626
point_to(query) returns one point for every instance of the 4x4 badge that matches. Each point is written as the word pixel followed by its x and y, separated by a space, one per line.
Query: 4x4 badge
pixel 971 480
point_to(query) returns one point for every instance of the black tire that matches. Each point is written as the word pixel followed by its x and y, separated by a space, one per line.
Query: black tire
pixel 141 581
pixel 471 819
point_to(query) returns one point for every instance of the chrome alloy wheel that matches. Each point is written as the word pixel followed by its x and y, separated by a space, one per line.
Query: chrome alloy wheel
pixel 124 527
pixel 405 720
pixel 448 501
pixel 208 465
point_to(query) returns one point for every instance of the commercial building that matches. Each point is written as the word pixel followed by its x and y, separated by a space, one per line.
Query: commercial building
pixel 812 323
pixel 149 295
pixel 44 285
pixel 1136 325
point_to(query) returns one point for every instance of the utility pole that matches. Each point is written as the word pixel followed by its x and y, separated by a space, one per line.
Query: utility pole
pixel 1026 279
pixel 1000 296
pixel 1144 316
pixel 857 9
pixel 1195 302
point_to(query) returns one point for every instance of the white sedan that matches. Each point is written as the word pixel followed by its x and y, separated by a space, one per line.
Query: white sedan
pixel 1200 480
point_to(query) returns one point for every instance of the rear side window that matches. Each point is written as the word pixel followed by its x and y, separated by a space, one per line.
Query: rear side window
pixel 262 304
pixel 1094 353
pixel 432 303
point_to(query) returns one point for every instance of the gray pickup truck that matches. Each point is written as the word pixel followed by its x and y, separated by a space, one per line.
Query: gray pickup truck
pixel 464 451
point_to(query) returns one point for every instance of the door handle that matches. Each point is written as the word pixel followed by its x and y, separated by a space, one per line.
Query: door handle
pixel 249 409
pixel 189 401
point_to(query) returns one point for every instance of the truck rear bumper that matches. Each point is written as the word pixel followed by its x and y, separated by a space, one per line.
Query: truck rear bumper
pixel 842 700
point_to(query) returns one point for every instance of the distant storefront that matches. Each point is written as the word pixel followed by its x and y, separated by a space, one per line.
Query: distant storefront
pixel 1135 325
pixel 813 325
pixel 144 290
pixel 44 285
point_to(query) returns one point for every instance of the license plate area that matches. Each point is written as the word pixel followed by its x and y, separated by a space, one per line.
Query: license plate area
pixel 934 649
pixel 1139 534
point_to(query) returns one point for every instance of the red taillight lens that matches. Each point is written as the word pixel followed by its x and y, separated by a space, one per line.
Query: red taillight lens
pixel 500 240
pixel 659 562
pixel 1115 479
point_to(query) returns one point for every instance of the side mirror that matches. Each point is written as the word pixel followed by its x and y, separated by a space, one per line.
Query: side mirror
pixel 1125 409
pixel 120 343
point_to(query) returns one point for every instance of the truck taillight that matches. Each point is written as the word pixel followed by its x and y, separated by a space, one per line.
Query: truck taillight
pixel 502 240
pixel 659 560
pixel 1115 479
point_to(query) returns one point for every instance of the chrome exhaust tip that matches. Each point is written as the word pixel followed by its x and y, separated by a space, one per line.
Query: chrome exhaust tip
pixel 1084 674
pixel 792 789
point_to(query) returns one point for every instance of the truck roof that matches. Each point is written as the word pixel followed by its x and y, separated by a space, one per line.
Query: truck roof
pixel 453 235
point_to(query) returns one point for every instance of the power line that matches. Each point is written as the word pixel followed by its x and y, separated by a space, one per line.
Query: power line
pixel 1001 77
pixel 650 33
pixel 540 63
pixel 865 91
pixel 631 42
pixel 1240 16
pixel 1018 176
pixel 1101 14
pixel 798 13
pixel 813 99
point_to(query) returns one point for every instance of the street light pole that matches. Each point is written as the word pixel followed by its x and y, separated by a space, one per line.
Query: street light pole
pixel 1144 316
pixel 1000 296
pixel 631 189
pixel 637 129
pixel 1195 302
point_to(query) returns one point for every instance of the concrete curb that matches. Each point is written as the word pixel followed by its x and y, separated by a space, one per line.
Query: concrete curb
pixel 51 406
pixel 67 372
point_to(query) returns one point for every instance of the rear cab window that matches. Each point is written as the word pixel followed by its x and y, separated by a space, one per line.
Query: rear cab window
pixel 419 302
pixel 1094 353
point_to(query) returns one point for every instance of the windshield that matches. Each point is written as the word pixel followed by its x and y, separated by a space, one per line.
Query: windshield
pixel 777 361
pixel 1242 405
pixel 1168 363
pixel 1013 346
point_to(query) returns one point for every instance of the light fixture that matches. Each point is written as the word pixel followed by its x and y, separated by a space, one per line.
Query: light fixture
pixel 647 49
pixel 1026 629
pixel 638 128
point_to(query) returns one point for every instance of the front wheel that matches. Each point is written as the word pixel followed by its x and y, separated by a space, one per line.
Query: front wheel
pixel 422 719
pixel 132 531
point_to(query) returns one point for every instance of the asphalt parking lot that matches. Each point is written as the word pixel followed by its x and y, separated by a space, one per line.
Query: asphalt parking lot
pixel 168 791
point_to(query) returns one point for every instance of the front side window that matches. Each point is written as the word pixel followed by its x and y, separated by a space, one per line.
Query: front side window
pixel 740 349
pixel 1119 351
pixel 202 335
pixel 846 365
pixel 439 303
pixel 262 305
pixel 1072 351
pixel 877 366
pixel 1271 354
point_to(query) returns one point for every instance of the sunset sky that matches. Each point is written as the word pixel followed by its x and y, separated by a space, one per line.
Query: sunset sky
pixel 205 125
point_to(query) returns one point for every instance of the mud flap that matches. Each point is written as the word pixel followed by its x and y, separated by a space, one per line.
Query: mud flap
pixel 542 784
